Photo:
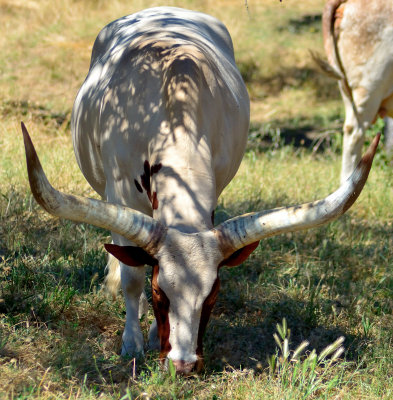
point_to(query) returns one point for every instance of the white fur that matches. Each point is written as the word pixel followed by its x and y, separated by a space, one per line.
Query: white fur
pixel 187 275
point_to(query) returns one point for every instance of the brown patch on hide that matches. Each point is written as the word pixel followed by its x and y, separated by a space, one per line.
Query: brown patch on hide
pixel 130 255
pixel 338 16
pixel 155 168
pixel 145 178
pixel 207 308
pixel 154 201
pixel 331 17
pixel 161 310
pixel 331 20
pixel 239 256
pixel 138 186
pixel 148 172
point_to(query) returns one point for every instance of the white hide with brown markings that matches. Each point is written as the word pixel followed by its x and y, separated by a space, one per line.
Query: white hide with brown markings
pixel 358 37
pixel 159 128
pixel 163 87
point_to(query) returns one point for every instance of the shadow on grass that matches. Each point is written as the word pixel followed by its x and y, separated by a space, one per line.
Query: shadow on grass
pixel 248 343
pixel 305 22
pixel 310 135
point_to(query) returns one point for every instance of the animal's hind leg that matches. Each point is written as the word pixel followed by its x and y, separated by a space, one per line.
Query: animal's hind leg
pixel 355 127
pixel 112 278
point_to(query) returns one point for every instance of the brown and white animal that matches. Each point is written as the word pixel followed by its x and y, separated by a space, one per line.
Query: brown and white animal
pixel 159 129
pixel 358 37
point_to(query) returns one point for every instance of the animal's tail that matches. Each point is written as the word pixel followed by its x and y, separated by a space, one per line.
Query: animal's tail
pixel 112 279
pixel 325 67
pixel 112 284
pixel 333 66
pixel 330 18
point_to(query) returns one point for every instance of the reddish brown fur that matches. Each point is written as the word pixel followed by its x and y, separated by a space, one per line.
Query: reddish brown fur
pixel 331 20
pixel 205 316
pixel 338 16
pixel 240 255
pixel 154 201
pixel 332 15
pixel 161 309
pixel 130 255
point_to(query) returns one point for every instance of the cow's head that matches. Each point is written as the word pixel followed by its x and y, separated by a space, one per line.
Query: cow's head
pixel 185 266
pixel 185 286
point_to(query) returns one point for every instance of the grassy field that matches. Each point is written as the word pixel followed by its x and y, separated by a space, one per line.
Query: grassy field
pixel 60 334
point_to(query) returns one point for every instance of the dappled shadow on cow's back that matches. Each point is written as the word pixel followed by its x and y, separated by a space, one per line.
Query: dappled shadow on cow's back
pixel 139 129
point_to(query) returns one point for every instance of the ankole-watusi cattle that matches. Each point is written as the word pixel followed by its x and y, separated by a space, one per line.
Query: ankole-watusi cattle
pixel 358 37
pixel 159 129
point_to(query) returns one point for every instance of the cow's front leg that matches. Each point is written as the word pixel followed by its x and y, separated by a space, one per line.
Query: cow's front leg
pixel 132 283
pixel 154 340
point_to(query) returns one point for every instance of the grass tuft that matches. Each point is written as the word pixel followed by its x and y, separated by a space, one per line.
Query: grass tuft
pixel 304 376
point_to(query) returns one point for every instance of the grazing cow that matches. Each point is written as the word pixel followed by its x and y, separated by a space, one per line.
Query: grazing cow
pixel 358 37
pixel 159 128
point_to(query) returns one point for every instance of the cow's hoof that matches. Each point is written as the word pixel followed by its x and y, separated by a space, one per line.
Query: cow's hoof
pixel 130 350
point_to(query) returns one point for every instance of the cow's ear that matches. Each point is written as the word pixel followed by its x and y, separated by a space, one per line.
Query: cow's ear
pixel 239 256
pixel 130 255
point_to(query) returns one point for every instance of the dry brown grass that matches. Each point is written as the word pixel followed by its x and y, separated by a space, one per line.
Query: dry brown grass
pixel 46 48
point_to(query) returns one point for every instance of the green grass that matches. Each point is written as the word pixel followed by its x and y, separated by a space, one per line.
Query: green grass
pixel 60 334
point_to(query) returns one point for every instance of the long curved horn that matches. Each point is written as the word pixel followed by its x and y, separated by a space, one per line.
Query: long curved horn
pixel 243 230
pixel 143 230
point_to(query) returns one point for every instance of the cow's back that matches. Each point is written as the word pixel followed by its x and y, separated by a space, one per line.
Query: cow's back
pixel 122 115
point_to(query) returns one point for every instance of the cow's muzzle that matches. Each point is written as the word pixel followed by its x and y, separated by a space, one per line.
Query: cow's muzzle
pixel 187 368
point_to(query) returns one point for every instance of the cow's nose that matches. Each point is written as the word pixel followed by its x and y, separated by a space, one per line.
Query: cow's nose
pixel 183 367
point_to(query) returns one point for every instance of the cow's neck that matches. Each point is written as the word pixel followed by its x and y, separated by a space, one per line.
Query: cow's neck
pixel 186 198
pixel 185 188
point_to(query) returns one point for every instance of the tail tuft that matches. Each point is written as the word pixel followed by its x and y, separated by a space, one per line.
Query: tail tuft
pixel 324 66
pixel 112 279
